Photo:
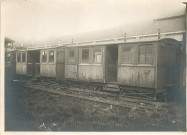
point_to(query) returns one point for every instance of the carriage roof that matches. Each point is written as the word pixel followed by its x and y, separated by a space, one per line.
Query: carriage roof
pixel 172 36
pixel 104 43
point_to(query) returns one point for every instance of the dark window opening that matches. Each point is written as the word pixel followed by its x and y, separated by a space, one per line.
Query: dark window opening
pixel 44 56
pixel 97 55
pixel 18 57
pixel 71 56
pixel 85 55
pixel 111 63
pixel 23 57
pixel 128 55
pixel 33 56
pixel 51 56
pixel 145 54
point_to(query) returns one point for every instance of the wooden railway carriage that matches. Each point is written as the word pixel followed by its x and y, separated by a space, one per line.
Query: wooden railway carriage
pixel 71 63
pixel 91 63
pixel 10 66
pixel 60 63
pixel 33 62
pixel 10 61
pixel 85 63
pixel 151 64
pixel 146 65
pixel 44 62
pixel 21 62
pixel 48 62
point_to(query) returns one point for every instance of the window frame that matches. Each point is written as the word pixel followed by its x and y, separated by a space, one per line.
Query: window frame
pixel 43 55
pixel 17 57
pixel 152 54
pixel 93 54
pixel 49 56
pixel 122 54
pixel 68 54
pixel 81 55
pixel 22 57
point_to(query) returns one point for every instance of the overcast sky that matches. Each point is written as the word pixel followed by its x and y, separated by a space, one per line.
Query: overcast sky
pixel 31 20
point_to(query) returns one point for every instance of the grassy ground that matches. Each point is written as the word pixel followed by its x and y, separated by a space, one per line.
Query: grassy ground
pixel 32 110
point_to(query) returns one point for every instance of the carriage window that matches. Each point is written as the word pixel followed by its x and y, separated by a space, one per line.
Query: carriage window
pixel 85 55
pixel 128 54
pixel 44 56
pixel 51 56
pixel 71 56
pixel 7 57
pixel 97 55
pixel 145 54
pixel 23 57
pixel 18 57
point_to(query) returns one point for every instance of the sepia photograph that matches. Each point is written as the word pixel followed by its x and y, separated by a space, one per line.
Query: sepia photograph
pixel 93 66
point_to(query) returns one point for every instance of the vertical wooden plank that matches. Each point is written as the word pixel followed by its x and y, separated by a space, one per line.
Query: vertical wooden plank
pixel 66 49
pixel 80 52
pixel 26 57
pixel 26 61
pixel 21 56
pixel 77 61
pixel 156 64
pixel 117 63
pixel 104 63
pixel 119 54
pixel 136 54
pixel 16 57
pixel 90 55
pixel 60 64
pixel 47 52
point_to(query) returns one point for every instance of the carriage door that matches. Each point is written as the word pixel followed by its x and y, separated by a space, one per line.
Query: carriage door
pixel 111 63
pixel 33 63
pixel 60 64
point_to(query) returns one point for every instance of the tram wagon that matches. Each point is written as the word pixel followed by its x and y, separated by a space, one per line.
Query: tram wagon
pixel 153 66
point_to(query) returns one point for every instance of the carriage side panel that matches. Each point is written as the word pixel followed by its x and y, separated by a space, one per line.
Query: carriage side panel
pixel 137 76
pixel 71 62
pixel 163 65
pixel 136 66
pixel 21 63
pixel 169 56
pixel 91 63
pixel 48 63
pixel 91 73
pixel 60 64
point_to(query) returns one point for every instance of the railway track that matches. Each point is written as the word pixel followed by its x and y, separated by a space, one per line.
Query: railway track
pixel 106 98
